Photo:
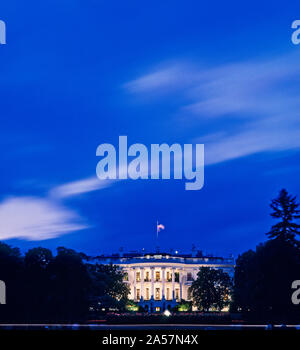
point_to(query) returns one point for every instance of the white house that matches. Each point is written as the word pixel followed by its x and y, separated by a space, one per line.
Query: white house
pixel 158 281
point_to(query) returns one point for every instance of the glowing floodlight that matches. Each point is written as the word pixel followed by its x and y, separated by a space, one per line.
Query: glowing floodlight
pixel 167 313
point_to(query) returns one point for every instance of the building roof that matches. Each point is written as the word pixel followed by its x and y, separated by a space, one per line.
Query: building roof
pixel 137 257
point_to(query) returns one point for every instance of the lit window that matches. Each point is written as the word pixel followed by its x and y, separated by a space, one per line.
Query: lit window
pixel 157 293
pixel 157 309
pixel 157 276
pixel 147 294
pixel 176 293
pixel 147 278
pixel 138 294
pixel 138 277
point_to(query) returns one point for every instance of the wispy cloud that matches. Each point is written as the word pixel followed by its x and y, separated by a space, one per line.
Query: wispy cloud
pixel 82 186
pixel 162 80
pixel 37 219
pixel 263 96
pixel 259 137
pixel 91 184
pixel 40 218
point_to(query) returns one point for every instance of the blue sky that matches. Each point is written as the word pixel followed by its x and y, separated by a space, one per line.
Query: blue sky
pixel 76 74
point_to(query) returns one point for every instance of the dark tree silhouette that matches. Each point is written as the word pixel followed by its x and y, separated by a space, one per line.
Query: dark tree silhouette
pixel 41 287
pixel 263 279
pixel 108 289
pixel 37 284
pixel 285 208
pixel 244 291
pixel 12 273
pixel 70 283
pixel 211 289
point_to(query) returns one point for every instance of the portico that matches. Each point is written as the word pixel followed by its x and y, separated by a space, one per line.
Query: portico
pixel 156 286
pixel 157 282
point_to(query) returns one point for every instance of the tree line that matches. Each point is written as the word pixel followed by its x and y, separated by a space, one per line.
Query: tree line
pixel 61 288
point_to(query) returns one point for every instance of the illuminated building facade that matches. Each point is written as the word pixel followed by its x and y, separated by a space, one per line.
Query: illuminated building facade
pixel 159 281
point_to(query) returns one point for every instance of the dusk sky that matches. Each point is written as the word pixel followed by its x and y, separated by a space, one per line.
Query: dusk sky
pixel 78 73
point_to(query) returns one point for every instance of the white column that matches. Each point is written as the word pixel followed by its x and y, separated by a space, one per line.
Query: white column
pixel 134 283
pixel 173 283
pixel 180 283
pixel 163 282
pixel 152 282
pixel 142 282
